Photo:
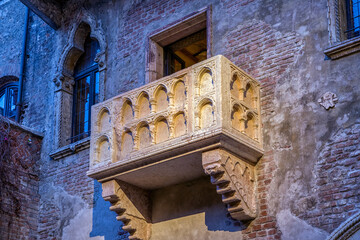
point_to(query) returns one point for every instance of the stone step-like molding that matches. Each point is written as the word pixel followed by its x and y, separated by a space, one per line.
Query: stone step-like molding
pixel 131 205
pixel 234 180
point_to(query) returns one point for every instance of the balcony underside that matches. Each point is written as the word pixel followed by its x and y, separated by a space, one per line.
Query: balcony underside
pixel 161 169
pixel 203 120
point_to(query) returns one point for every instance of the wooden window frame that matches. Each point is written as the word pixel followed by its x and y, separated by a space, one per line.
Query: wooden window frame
pixel 171 33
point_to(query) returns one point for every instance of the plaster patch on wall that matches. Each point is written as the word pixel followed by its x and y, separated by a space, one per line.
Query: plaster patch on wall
pixel 80 226
pixel 294 228
pixel 303 31
pixel 342 120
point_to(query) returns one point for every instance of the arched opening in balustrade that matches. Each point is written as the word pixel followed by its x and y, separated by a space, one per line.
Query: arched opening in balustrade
pixel 161 98
pixel 179 91
pixel 127 112
pixel 179 124
pixel 162 131
pixel 127 143
pixel 143 103
pixel 206 81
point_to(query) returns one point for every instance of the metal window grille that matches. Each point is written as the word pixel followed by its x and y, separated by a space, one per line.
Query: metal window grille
pixel 353 18
pixel 86 90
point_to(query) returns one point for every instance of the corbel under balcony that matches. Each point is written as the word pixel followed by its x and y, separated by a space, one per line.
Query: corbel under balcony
pixel 203 120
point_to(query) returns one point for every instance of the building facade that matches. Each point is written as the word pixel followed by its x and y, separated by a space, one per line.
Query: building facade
pixel 303 54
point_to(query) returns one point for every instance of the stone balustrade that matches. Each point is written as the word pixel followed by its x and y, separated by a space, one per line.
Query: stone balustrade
pixel 203 120
pixel 207 99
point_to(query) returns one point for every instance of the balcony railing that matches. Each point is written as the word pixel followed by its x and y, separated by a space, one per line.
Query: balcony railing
pixel 208 103
pixel 210 98
pixel 204 119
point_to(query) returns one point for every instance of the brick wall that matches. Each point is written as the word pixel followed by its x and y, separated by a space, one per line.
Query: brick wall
pixel 267 47
pixel 71 191
pixel 19 181
pixel 265 54
pixel 337 183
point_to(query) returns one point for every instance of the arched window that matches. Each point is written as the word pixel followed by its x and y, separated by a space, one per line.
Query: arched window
pixel 86 89
pixel 8 99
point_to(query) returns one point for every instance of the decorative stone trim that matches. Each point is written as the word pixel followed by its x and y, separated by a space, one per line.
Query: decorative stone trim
pixel 234 180
pixel 132 205
pixel 83 25
pixel 328 100
pixel 347 229
pixel 70 149
pixel 206 116
pixel 344 48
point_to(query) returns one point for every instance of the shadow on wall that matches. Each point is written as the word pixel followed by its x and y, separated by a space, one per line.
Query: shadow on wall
pixel 190 199
pixel 104 220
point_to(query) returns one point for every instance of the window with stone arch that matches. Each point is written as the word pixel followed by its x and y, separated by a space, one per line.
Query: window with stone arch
pixel 86 89
pixel 79 83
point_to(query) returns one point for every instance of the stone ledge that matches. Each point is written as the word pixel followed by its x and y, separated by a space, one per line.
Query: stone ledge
pixel 70 149
pixel 24 128
pixel 220 138
pixel 343 48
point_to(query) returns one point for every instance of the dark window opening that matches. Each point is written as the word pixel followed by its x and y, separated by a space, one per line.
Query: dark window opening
pixel 86 90
pixel 8 99
pixel 185 52
pixel 353 18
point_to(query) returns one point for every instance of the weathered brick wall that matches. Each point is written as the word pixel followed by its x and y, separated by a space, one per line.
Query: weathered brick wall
pixel 69 187
pixel 280 43
pixel 266 54
pixel 337 184
pixel 19 181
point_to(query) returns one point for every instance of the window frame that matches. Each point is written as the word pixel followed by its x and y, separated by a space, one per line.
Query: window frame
pixel 349 32
pixel 6 89
pixel 76 134
pixel 171 33
pixel 340 45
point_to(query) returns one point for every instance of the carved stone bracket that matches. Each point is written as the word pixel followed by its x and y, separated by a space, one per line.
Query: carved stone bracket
pixel 101 60
pixel 234 180
pixel 132 206
pixel 64 82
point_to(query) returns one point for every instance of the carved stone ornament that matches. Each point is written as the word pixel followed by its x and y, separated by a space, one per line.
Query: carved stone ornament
pixel 132 205
pixel 205 117
pixel 100 59
pixel 234 180
pixel 64 82
pixel 328 100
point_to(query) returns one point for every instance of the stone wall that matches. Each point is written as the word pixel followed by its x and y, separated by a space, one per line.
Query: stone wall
pixel 19 181
pixel 13 14
pixel 307 177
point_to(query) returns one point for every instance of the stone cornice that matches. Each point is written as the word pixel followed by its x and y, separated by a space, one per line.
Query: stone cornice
pixel 70 149
pixel 343 48
pixel 22 127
